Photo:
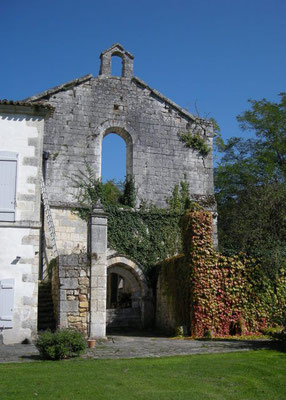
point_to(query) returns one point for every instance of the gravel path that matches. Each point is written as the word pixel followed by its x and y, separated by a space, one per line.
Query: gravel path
pixel 130 347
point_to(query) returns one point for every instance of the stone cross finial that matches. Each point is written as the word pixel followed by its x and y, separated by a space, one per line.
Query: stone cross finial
pixel 97 206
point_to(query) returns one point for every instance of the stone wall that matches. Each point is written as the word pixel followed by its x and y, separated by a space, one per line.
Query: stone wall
pixel 87 109
pixel 70 234
pixel 71 291
pixel 71 231
pixel 165 315
pixel 156 156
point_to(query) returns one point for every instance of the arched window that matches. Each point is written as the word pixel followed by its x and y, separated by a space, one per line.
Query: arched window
pixel 113 158
pixel 116 65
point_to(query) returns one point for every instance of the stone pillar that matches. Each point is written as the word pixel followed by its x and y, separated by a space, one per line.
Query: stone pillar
pixel 105 65
pixel 98 272
pixel 127 62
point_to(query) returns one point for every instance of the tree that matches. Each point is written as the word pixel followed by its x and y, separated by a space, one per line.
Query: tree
pixel 250 185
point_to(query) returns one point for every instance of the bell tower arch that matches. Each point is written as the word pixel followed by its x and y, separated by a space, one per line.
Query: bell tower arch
pixel 106 59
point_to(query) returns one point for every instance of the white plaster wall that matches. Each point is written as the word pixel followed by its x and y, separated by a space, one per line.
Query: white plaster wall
pixel 25 274
pixel 23 134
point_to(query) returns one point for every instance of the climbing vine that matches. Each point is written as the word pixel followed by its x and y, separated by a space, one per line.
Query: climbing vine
pixel 211 293
pixel 147 235
pixel 226 295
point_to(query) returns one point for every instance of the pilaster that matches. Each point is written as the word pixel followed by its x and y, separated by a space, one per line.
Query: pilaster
pixel 98 273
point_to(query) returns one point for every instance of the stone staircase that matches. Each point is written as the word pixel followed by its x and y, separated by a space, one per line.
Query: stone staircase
pixel 46 319
pixel 49 217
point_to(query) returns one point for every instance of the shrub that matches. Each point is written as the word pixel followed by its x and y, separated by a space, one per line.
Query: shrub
pixel 61 344
pixel 196 142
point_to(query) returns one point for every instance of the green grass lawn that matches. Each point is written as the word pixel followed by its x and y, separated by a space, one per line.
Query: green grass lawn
pixel 246 375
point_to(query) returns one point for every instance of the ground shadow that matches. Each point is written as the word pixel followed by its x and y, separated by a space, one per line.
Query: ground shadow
pixel 135 332
pixel 34 357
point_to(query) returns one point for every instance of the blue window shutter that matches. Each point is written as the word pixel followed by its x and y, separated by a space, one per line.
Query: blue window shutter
pixel 8 174
pixel 6 303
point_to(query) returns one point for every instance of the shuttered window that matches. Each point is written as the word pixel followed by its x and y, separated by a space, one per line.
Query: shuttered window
pixel 6 303
pixel 8 174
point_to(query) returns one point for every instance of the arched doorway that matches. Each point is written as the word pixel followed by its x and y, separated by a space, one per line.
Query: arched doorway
pixel 129 300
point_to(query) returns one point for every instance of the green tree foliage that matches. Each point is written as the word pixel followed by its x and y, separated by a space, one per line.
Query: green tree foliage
pixel 268 121
pixel 179 201
pixel 128 197
pixel 250 185
pixel 111 193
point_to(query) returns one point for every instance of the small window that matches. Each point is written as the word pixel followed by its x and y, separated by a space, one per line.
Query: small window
pixel 8 175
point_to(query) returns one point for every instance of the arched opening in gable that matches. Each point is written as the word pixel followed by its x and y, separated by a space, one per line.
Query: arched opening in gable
pixel 113 158
pixel 117 65
pixel 116 154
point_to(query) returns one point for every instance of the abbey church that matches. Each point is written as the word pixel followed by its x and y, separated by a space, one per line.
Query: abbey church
pixel 44 141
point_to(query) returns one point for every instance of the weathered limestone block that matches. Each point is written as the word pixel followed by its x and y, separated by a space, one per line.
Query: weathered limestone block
pixel 72 318
pixel 72 306
pixel 83 281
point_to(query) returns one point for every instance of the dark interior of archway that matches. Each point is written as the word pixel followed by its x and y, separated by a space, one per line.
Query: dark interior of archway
pixel 118 292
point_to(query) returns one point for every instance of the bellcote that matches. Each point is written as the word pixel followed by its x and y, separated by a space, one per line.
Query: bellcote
pixel 126 57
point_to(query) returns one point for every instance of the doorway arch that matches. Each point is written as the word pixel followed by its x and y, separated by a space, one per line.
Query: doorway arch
pixel 129 299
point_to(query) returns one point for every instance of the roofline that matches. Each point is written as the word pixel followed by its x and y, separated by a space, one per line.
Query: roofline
pixel 165 99
pixel 22 107
pixel 68 85
pixel 59 88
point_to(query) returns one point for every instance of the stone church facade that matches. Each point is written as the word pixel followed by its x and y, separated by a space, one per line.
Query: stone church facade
pixel 85 111
pixel 89 108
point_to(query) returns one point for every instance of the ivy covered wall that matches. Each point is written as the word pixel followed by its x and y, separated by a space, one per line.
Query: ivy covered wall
pixel 147 237
pixel 217 295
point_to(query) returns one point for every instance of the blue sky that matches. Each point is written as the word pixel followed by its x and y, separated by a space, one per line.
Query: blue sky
pixel 212 53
